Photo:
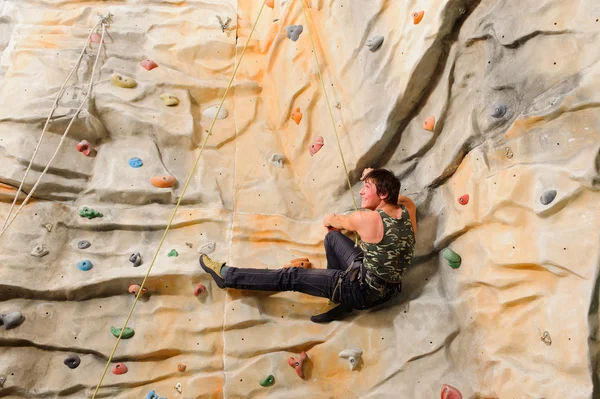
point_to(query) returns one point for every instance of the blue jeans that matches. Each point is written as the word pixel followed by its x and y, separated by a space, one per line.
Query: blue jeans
pixel 334 282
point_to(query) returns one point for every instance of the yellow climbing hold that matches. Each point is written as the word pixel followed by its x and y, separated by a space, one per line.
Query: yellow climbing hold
pixel 122 81
pixel 169 99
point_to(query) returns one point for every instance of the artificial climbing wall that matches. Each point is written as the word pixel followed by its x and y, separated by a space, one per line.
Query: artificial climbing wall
pixel 487 111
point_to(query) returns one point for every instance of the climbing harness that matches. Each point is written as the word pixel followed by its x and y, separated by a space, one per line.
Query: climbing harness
pixel 104 22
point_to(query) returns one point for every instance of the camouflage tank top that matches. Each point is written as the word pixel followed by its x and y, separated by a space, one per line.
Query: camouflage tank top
pixel 386 261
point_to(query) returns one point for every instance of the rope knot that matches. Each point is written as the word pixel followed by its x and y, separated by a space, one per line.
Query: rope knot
pixel 106 21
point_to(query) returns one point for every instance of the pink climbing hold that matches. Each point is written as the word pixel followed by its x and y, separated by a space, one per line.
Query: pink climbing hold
pixel 149 64
pixel 463 200
pixel 200 289
pixel 449 392
pixel 119 369
pixel 84 147
pixel 316 146
pixel 298 364
pixel 95 38
pixel 135 288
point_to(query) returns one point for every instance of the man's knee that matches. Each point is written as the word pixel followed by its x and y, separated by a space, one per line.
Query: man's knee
pixel 331 237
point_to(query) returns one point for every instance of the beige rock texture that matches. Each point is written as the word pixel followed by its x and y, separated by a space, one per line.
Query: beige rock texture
pixel 513 86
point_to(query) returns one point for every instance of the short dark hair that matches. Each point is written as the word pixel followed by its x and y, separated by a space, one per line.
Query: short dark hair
pixel 385 183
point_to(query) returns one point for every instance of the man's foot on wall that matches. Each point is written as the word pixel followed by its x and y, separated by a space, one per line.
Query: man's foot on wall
pixel 336 313
pixel 213 268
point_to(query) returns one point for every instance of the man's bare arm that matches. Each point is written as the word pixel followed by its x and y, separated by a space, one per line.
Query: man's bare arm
pixel 349 222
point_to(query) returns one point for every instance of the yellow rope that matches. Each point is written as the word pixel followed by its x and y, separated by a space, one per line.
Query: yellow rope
pixel 178 203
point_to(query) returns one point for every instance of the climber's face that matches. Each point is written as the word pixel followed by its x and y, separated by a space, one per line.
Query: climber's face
pixel 370 199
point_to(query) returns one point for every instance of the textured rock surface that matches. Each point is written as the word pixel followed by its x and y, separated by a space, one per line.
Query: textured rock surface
pixel 498 76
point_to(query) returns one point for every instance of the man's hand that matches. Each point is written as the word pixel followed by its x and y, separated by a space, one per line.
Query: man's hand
pixel 365 172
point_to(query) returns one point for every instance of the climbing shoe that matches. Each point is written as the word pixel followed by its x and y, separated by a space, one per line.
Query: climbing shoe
pixel 336 313
pixel 213 268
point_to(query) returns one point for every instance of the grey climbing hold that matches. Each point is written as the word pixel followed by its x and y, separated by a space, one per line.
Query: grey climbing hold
pixel 546 338
pixel 39 251
pixel 547 197
pixel 48 227
pixel 508 152
pixel 375 43
pixel 83 244
pixel 207 248
pixel 499 110
pixel 72 361
pixel 293 32
pixel 11 320
pixel 189 244
pixel 136 259
pixel 84 265
pixel 353 356
pixel 2 380
pixel 277 160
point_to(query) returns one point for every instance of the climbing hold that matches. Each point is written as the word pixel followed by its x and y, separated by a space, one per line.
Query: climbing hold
pixel 208 248
pixel 172 253
pixel 95 38
pixel 452 257
pixel 338 105
pixel 546 338
pixel 39 251
pixel 463 200
pixel 277 160
pixel 375 43
pixel 11 320
pixel 48 227
pixel 298 364
pixel 499 110
pixel 417 16
pixel 547 197
pixel 178 387
pixel 123 81
pixel 149 65
pixel 120 368
pixel 135 162
pixel 136 259
pixel 153 395
pixel 353 356
pixel 83 244
pixel 270 3
pixel 89 213
pixel 163 181
pixel 127 333
pixel 84 265
pixel 316 146
pixel 135 288
pixel 189 244
pixel 267 381
pixel 429 123
pixel 84 147
pixel 297 116
pixel 300 262
pixel 449 392
pixel 508 152
pixel 200 288
pixel 169 99
pixel 2 381
pixel 72 361
pixel 293 32
pixel 212 112
pixel 181 367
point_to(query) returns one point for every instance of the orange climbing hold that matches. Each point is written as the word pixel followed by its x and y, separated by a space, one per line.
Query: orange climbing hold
pixel 429 123
pixel 270 3
pixel 298 365
pixel 449 392
pixel 119 369
pixel 299 262
pixel 163 181
pixel 135 288
pixel 200 288
pixel 316 146
pixel 297 116
pixel 464 200
pixel 181 367
pixel 417 16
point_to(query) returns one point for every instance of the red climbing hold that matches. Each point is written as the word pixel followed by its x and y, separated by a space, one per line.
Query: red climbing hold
pixel 316 146
pixel 95 38
pixel 119 369
pixel 449 392
pixel 163 181
pixel 429 123
pixel 298 364
pixel 149 64
pixel 134 289
pixel 417 16
pixel 200 289
pixel 297 116
pixel 84 147
pixel 464 200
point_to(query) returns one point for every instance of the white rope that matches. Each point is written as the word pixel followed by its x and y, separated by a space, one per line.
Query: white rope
pixel 6 222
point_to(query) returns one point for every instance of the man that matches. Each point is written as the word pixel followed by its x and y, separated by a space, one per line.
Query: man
pixel 356 277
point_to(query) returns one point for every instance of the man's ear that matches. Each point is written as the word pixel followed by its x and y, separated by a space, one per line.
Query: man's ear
pixel 383 196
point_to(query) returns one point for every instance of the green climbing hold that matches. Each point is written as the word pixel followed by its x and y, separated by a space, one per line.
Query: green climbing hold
pixel 89 213
pixel 173 253
pixel 452 257
pixel 268 381
pixel 127 333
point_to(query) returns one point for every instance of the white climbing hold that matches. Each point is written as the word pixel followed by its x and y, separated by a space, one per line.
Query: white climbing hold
pixel 277 160
pixel 39 251
pixel 207 248
pixel 353 356
pixel 212 111
pixel 48 227
pixel 178 387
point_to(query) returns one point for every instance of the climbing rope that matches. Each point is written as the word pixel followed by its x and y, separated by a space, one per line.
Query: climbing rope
pixel 189 178
pixel 103 22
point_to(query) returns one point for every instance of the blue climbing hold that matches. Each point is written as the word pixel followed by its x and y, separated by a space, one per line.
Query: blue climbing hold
pixel 85 265
pixel 153 395
pixel 135 162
